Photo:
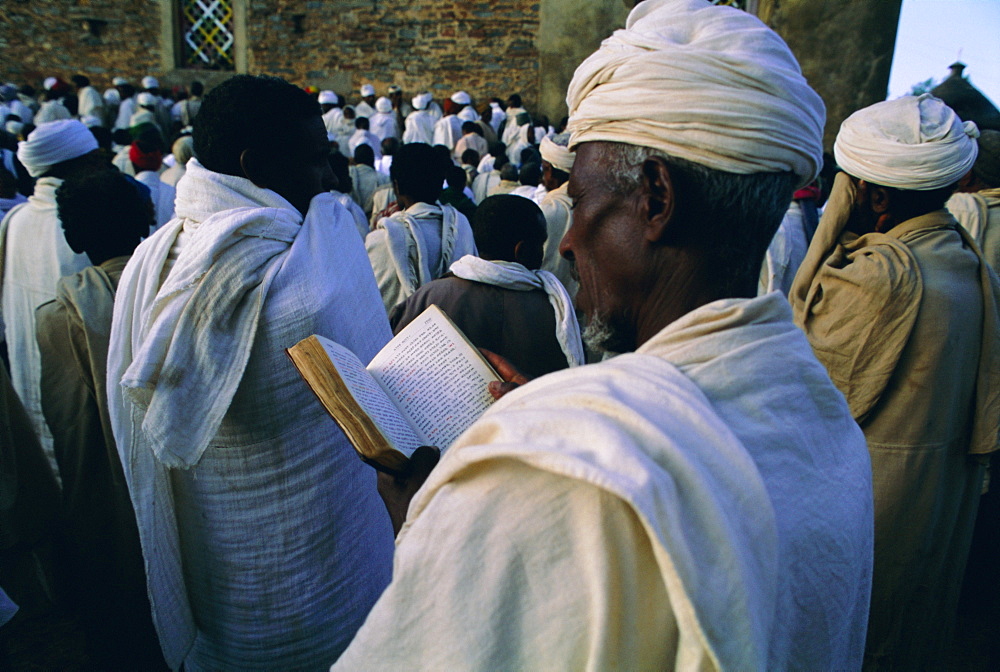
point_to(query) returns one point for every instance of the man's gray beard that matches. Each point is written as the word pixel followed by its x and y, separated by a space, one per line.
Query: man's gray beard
pixel 599 336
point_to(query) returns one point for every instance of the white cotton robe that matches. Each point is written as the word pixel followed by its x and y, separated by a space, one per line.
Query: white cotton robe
pixel 264 538
pixel 419 127
pixel 34 255
pixel 163 196
pixel 676 508
pixel 557 207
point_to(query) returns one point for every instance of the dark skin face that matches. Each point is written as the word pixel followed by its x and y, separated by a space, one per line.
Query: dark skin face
pixel 549 179
pixel 301 171
pixel 633 273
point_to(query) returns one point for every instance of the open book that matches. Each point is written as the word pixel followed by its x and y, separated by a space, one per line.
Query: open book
pixel 424 388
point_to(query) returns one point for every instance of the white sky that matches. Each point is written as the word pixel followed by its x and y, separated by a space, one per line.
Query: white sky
pixel 933 34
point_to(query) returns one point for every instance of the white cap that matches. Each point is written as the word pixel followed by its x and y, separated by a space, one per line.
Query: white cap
pixel 49 82
pixel 149 82
pixel 145 98
pixel 112 97
pixel 461 97
pixel 421 101
pixel 327 98
pixel 367 90
pixel 383 104
pixel 119 81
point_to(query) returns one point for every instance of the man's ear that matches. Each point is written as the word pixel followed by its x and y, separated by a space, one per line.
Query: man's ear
pixel 253 168
pixel 659 200
pixel 879 199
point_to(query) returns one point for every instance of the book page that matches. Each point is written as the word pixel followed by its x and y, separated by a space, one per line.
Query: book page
pixel 438 379
pixel 372 398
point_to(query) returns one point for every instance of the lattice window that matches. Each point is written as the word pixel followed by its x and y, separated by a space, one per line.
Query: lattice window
pixel 207 34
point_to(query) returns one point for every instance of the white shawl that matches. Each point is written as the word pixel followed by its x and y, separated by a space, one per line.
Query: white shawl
pixel 511 275
pixel 406 246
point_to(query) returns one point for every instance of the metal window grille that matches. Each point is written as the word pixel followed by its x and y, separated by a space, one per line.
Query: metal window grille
pixel 207 34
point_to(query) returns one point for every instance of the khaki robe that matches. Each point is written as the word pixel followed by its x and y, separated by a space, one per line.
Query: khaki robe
pixel 906 324
pixel 104 558
pixel 979 213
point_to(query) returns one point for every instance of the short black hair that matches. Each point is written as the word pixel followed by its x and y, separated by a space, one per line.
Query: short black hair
pixel 361 123
pixel 122 136
pixel 364 153
pixel 418 172
pixel 197 88
pixel 509 172
pixel 470 157
pixel 223 128
pixel 457 178
pixel 470 127
pixel 531 174
pixel 390 146
pixel 104 213
pixel 503 221
pixel 341 170
pixel 515 100
pixel 80 81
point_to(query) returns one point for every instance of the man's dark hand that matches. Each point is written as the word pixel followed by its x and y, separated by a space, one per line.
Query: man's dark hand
pixel 397 490
pixel 512 378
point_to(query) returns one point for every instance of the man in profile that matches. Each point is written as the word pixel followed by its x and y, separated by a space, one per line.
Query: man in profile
pixel 264 541
pixel 680 505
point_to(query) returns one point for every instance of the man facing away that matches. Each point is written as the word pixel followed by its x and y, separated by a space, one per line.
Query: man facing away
pixel 34 253
pixel 365 180
pixel 901 308
pixel 104 215
pixel 679 506
pixel 419 125
pixel 418 244
pixel 976 206
pixel 264 548
pixel 500 300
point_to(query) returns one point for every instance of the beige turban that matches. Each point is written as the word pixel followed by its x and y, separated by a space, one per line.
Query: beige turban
pixel 556 151
pixel 53 143
pixel 712 85
pixel 915 143
pixel 183 149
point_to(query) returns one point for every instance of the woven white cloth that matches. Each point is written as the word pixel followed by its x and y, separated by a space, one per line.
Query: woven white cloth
pixel 224 448
pixel 913 142
pixel 712 85
pixel 745 541
pixel 511 275
pixel 415 246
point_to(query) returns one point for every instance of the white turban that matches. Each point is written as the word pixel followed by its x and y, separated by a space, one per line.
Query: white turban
pixel 421 101
pixel 383 104
pixel 183 149
pixel 367 90
pixel 49 83
pixel 14 127
pixel 486 164
pixel 119 81
pixel 145 99
pixel 90 121
pixel 327 98
pixel 468 114
pixel 712 85
pixel 461 98
pixel 53 143
pixel 112 97
pixel 916 143
pixel 556 151
pixel 395 88
pixel 149 82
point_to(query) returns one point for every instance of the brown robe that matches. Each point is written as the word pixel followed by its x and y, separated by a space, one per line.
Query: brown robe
pixel 520 326
pixel 108 580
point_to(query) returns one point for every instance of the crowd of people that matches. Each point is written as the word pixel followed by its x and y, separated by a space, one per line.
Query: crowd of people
pixel 750 391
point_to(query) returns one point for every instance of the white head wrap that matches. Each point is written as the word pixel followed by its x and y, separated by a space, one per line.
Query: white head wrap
pixel 119 81
pixel 327 98
pixel 183 149
pixel 49 83
pixel 468 114
pixel 145 98
pixel 14 127
pixel 461 98
pixel 486 164
pixel 712 85
pixel 112 97
pixel 383 104
pixel 395 88
pixel 555 150
pixel 916 143
pixel 149 82
pixel 90 121
pixel 367 90
pixel 421 101
pixel 53 143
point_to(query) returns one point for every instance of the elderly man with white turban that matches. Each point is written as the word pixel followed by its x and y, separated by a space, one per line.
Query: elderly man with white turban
pixel 420 123
pixel 365 108
pixel 901 308
pixel 557 162
pixel 679 506
pixel 34 254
